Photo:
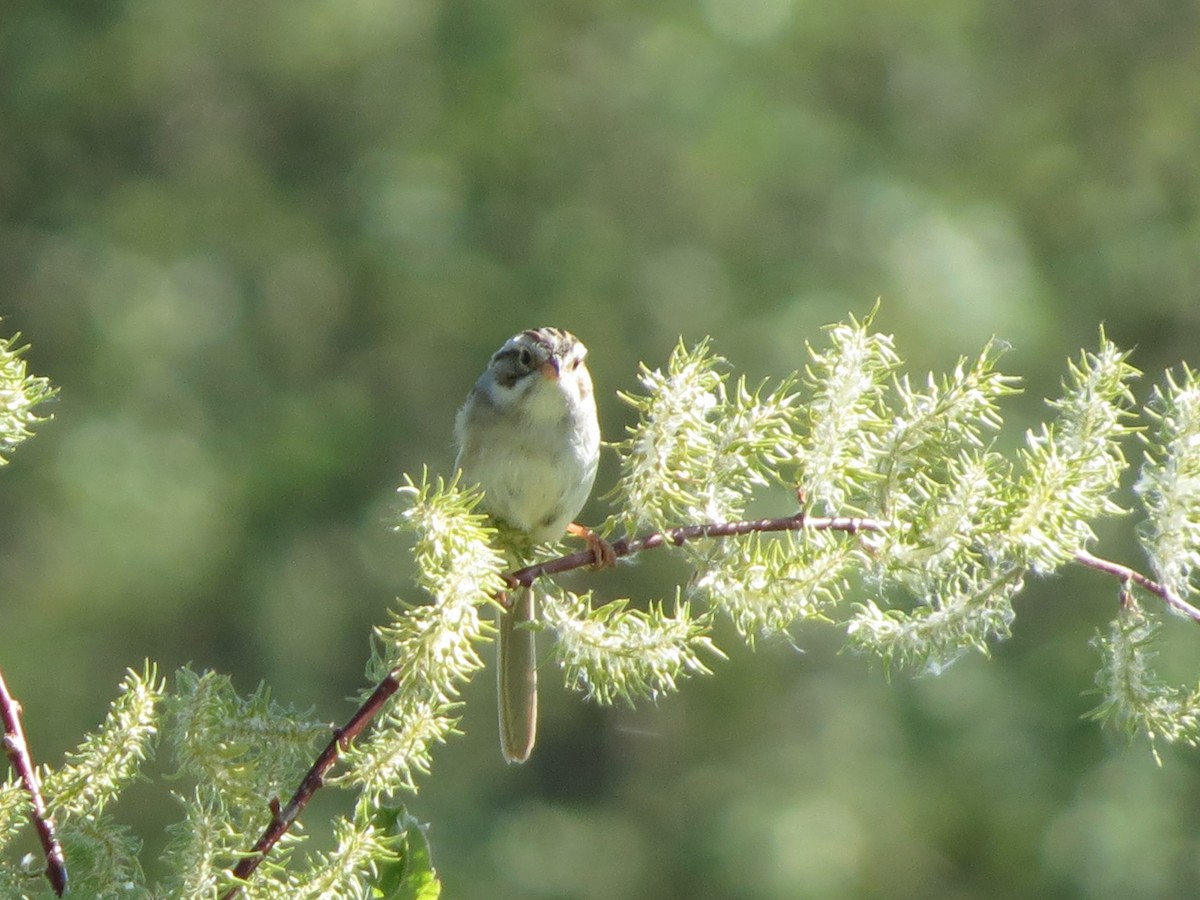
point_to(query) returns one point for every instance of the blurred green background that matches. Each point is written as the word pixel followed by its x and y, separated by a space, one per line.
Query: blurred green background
pixel 265 248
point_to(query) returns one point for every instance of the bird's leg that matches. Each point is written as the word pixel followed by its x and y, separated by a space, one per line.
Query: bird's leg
pixel 603 555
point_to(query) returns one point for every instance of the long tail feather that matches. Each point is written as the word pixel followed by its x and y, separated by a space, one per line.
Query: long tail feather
pixel 517 678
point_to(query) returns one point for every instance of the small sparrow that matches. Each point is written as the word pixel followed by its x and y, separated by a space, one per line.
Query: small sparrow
pixel 528 436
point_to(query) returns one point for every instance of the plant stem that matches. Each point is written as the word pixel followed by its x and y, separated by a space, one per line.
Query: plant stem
pixel 18 753
pixel 314 779
pixel 1126 574
pixel 282 818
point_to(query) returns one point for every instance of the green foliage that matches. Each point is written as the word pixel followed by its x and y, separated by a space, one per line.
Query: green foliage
pixel 698 448
pixel 204 845
pixel 103 859
pixel 103 854
pixel 958 611
pixel 20 394
pixel 238 753
pixel 244 750
pixel 966 529
pixel 1170 483
pixel 265 247
pixel 1134 700
pixel 950 528
pixel 768 583
pixel 454 553
pixel 934 471
pixel 908 530
pixel 1072 466
pixel 108 759
pixel 409 874
pixel 614 652
pixel 844 421
pixel 341 874
pixel 430 650
pixel 14 804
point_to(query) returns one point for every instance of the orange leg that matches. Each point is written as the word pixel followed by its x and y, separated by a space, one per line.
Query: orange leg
pixel 602 550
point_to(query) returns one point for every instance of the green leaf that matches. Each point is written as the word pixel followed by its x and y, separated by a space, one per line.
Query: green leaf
pixel 410 875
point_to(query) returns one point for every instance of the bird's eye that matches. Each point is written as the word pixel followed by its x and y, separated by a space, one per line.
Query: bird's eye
pixel 526 357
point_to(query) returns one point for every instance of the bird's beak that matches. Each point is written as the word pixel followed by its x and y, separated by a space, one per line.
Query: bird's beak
pixel 550 369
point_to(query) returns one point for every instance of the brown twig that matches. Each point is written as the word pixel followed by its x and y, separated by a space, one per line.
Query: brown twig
pixel 282 818
pixel 314 779
pixel 1126 574
pixel 678 536
pixel 18 753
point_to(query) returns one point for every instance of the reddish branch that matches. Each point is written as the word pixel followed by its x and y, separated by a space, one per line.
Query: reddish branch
pixel 18 753
pixel 282 818
pixel 679 536
pixel 1127 575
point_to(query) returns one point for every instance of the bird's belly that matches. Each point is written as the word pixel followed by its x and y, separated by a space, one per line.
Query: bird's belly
pixel 534 493
pixel 533 488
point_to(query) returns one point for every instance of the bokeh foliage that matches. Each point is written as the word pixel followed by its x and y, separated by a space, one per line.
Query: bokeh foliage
pixel 265 248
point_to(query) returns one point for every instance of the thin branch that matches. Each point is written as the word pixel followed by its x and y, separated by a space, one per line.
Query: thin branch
pixel 283 818
pixel 18 753
pixel 679 536
pixel 314 779
pixel 1126 574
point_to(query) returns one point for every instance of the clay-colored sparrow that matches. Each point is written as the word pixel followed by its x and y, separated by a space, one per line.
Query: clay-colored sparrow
pixel 528 435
